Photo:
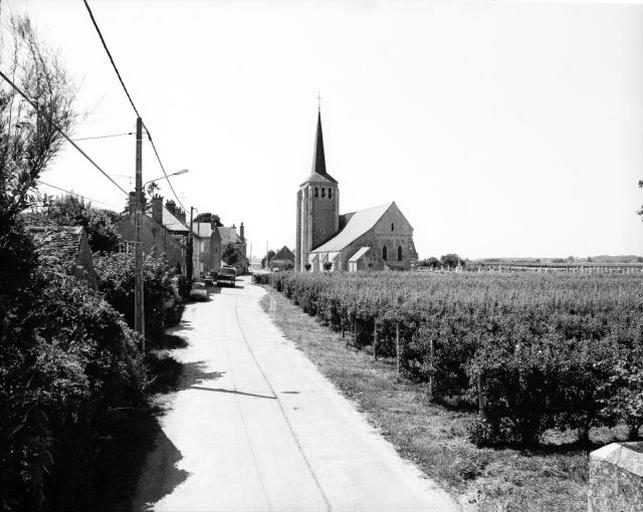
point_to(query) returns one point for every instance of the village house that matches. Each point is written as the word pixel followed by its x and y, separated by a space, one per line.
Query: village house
pixel 373 239
pixel 284 259
pixel 164 231
pixel 69 245
pixel 230 237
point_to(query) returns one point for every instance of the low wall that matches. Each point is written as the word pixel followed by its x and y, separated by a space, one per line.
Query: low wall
pixel 616 478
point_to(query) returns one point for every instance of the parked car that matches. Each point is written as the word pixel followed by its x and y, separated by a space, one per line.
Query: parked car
pixel 198 291
pixel 207 279
pixel 227 275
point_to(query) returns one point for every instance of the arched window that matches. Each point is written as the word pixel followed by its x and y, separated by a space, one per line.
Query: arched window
pixel 323 192
pixel 384 253
pixel 399 253
pixel 316 192
pixel 330 193
pixel 392 226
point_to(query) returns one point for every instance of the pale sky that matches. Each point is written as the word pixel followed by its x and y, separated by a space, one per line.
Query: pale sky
pixel 500 129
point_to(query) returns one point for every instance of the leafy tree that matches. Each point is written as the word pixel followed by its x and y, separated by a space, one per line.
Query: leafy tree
pixel 73 211
pixel 431 262
pixel 231 253
pixel 451 260
pixel 209 218
pixel 265 261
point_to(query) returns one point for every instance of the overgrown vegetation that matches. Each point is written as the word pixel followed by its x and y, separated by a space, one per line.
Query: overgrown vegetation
pixel 162 301
pixel 531 351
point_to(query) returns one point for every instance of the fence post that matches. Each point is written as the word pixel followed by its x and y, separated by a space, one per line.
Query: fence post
pixel 431 369
pixel 397 345
pixel 375 339
pixel 480 396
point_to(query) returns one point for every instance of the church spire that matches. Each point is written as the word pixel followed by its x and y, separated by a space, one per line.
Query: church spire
pixel 319 158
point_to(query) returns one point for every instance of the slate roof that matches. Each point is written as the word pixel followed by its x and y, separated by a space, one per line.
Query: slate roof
pixel 358 224
pixel 318 171
pixel 360 252
pixel 171 222
pixel 284 254
pixel 63 242
pixel 229 235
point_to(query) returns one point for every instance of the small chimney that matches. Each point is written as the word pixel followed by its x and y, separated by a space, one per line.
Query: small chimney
pixel 241 231
pixel 157 209
pixel 180 214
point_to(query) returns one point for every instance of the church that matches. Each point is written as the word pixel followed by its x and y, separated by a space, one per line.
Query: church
pixel 377 238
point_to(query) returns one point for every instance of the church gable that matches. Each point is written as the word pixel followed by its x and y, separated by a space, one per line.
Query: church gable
pixel 393 222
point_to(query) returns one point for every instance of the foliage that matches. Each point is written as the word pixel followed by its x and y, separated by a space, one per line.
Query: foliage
pixel 209 218
pixel 69 364
pixel 232 253
pixel 451 261
pixel 265 261
pixel 100 225
pixel 534 350
pixel 29 136
pixel 161 298
pixel 431 262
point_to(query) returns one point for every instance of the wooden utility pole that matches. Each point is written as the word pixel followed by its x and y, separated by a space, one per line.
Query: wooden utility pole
pixel 190 262
pixel 139 306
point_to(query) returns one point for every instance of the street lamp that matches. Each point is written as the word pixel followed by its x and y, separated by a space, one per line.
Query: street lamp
pixel 177 173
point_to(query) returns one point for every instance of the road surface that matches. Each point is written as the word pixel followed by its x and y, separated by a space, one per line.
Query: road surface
pixel 254 426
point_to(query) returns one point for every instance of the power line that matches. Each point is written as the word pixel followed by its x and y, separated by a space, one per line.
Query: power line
pixel 118 74
pixel 70 192
pixel 149 136
pixel 59 129
pixel 104 136
pixel 129 97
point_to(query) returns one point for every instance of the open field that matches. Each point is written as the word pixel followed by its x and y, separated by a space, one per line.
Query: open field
pixel 528 339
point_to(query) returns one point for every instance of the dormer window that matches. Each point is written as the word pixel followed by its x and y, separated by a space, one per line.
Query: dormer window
pixel 323 192
pixel 316 192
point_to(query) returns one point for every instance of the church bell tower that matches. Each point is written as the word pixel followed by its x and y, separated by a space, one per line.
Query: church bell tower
pixel 317 204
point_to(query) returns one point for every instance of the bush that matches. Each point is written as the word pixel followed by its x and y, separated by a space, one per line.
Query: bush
pixel 161 299
pixel 69 373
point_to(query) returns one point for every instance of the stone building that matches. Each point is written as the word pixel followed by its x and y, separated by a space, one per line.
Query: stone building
pixel 373 239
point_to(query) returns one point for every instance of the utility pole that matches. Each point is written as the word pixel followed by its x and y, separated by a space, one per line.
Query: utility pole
pixel 190 262
pixel 139 306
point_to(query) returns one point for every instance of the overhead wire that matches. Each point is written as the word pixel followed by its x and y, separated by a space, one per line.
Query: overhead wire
pixel 71 192
pixel 131 101
pixel 60 130
pixel 104 136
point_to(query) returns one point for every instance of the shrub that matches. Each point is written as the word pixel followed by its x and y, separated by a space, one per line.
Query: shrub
pixel 162 302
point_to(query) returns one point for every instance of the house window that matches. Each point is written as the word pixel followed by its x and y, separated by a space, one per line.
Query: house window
pixel 392 226
pixel 330 193
pixel 384 253
pixel 316 192
pixel 399 253
pixel 323 192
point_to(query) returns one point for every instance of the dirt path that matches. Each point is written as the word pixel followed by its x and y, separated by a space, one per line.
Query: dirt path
pixel 255 426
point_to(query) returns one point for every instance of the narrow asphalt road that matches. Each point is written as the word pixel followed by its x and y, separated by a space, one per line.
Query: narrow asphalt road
pixel 254 426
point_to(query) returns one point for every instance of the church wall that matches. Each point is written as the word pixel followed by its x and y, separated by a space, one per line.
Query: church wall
pixel 324 211
pixel 298 247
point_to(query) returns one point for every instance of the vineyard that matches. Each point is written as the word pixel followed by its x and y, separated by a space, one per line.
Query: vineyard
pixel 529 351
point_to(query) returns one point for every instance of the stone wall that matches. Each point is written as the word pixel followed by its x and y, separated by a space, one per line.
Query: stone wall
pixel 616 478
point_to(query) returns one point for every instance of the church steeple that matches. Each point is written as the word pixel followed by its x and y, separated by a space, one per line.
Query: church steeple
pixel 319 158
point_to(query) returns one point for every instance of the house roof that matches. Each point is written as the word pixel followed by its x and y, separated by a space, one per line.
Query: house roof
pixel 359 254
pixel 171 222
pixel 318 172
pixel 229 236
pixel 284 254
pixel 358 224
pixel 63 242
